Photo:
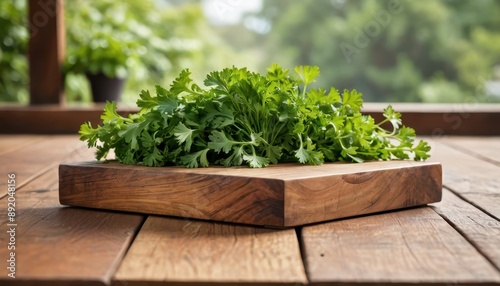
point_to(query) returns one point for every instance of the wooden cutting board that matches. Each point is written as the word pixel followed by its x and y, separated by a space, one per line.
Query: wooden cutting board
pixel 282 195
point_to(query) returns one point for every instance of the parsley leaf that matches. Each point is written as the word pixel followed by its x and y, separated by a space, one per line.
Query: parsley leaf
pixel 184 135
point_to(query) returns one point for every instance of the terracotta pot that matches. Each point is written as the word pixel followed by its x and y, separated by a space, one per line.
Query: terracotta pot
pixel 105 88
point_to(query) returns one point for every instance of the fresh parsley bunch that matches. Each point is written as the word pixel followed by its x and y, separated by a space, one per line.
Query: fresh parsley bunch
pixel 240 117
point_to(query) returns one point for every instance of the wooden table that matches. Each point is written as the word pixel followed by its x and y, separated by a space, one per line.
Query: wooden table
pixel 456 241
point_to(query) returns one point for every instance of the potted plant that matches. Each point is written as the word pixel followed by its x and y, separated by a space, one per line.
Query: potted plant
pixel 106 61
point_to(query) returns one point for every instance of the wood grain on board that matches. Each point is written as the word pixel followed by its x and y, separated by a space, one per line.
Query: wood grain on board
pixel 407 247
pixel 280 195
pixel 171 250
pixel 56 245
pixel 472 178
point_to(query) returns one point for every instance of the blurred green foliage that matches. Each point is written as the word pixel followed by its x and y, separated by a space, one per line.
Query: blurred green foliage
pixel 390 50
pixel 137 39
pixel 13 48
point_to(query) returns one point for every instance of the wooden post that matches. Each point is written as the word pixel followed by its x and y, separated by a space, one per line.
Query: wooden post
pixel 46 51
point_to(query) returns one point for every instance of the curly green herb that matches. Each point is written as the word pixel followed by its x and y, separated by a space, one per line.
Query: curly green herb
pixel 240 117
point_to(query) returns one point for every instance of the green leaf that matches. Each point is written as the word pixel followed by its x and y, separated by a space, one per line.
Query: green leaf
pixel 219 141
pixel 352 99
pixel 191 160
pixel 89 134
pixel 333 96
pixel 181 83
pixel 356 159
pixel 392 116
pixel 235 159
pixel 406 136
pixel 167 101
pixel 131 134
pixel 299 128
pixel 308 74
pixel 273 153
pixel 302 155
pixel 154 158
pixel 276 73
pixel 422 151
pixel 184 135
pixel 337 123
pixel 146 101
pixel 255 161
pixel 308 156
pixel 110 113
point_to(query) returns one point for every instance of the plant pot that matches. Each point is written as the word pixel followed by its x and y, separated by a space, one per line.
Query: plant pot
pixel 105 88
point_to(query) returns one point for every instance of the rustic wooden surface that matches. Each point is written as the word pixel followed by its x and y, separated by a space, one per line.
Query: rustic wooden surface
pixel 38 155
pixel 199 251
pixel 454 242
pixel 472 178
pixel 482 230
pixel 410 246
pixel 55 241
pixel 280 195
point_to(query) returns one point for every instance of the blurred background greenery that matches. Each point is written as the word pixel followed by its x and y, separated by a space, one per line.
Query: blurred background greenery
pixel 390 50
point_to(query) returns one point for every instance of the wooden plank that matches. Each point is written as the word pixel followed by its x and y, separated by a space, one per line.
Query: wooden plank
pixel 46 50
pixel 485 148
pixel 473 179
pixel 28 162
pixel 52 119
pixel 405 247
pixel 56 245
pixel 9 143
pixel 169 250
pixel 480 229
pixel 280 195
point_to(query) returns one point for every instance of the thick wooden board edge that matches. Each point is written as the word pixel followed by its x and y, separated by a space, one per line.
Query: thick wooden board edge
pixel 271 202
pixel 309 201
pixel 208 197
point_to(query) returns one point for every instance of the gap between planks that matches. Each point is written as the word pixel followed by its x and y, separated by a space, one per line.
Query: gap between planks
pixel 474 180
pixel 65 246
pixel 479 228
pixel 184 251
pixel 483 148
pixel 404 247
